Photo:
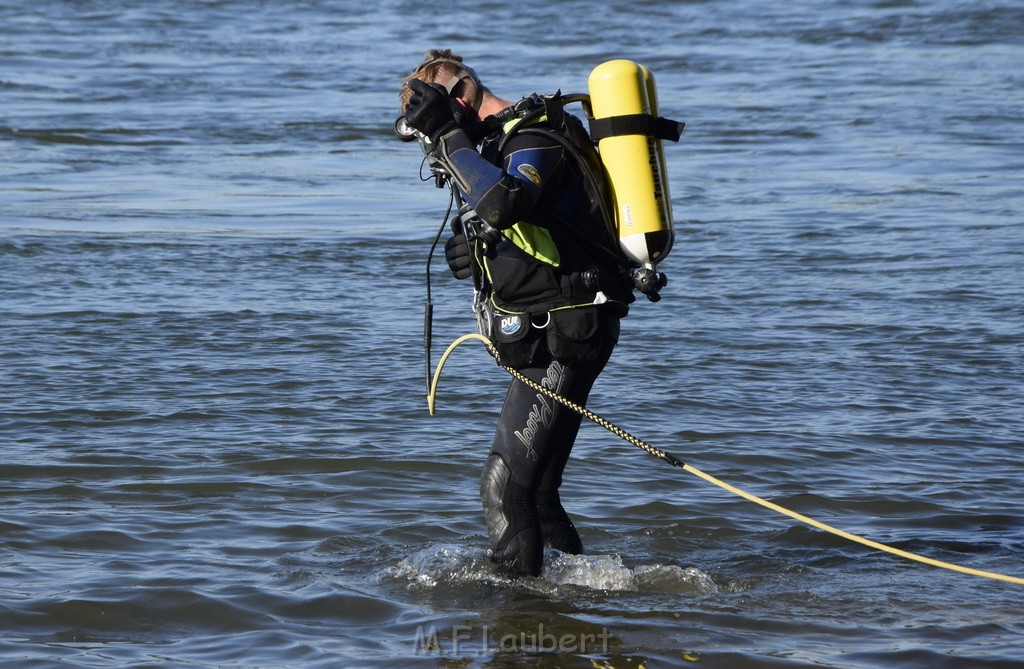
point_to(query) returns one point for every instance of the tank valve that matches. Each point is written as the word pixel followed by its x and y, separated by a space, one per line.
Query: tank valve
pixel 649 281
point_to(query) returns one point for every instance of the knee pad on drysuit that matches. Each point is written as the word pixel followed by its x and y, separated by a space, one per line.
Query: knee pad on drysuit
pixel 513 527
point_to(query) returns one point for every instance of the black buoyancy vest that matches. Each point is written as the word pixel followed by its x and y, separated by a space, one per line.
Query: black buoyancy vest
pixel 555 261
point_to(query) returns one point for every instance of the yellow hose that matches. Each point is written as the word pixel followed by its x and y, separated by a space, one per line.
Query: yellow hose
pixel 696 472
pixel 431 396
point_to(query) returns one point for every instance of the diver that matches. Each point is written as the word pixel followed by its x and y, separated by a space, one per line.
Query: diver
pixel 533 237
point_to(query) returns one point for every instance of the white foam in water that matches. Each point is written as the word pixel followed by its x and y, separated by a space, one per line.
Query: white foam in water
pixel 447 563
pixel 607 572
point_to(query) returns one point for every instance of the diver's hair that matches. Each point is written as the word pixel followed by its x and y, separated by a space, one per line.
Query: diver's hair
pixel 434 61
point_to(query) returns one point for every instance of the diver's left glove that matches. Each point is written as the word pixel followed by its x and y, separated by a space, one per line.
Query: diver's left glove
pixel 430 110
pixel 457 251
pixel 459 256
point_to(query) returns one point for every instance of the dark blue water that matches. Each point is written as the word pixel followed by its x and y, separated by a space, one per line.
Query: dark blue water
pixel 216 448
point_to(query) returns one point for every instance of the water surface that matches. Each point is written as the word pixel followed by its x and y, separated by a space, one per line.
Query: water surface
pixel 216 444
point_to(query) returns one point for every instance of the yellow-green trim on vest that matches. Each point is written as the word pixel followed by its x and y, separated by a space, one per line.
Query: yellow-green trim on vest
pixel 593 303
pixel 514 122
pixel 535 241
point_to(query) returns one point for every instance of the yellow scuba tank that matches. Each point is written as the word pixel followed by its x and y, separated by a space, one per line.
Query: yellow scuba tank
pixel 628 132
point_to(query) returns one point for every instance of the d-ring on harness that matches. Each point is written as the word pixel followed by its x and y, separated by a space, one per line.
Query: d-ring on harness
pixel 676 462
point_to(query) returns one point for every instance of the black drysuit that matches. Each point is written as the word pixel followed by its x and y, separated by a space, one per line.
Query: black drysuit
pixel 557 302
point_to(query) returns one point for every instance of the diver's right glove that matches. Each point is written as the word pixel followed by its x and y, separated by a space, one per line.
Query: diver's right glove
pixel 431 114
pixel 430 110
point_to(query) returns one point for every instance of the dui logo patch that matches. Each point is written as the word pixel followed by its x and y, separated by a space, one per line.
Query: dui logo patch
pixel 510 325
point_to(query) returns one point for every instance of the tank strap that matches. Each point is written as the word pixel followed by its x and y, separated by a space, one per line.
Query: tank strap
pixel 636 124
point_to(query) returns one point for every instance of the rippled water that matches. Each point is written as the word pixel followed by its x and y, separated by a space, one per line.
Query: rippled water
pixel 216 445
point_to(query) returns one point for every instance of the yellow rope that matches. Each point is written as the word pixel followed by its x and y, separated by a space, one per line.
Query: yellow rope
pixel 619 432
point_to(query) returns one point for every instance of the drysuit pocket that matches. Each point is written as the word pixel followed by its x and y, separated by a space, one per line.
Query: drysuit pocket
pixel 519 344
pixel 574 335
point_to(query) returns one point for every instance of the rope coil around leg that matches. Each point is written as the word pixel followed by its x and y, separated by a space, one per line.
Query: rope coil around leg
pixel 676 462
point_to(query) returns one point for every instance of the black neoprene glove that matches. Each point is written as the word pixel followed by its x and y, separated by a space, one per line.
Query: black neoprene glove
pixel 430 109
pixel 457 252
